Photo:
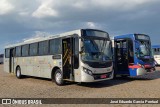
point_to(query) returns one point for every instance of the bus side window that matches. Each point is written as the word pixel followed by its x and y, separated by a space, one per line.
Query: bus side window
pixel 131 53
pixel 118 49
pixel 18 51
pixel 124 50
pixel 14 52
pixel 55 46
pixel 118 52
pixel 76 53
pixel 7 53
pixel 25 50
pixel 33 49
pixel 43 48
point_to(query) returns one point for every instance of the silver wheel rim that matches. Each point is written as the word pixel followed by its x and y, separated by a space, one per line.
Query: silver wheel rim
pixel 18 73
pixel 58 77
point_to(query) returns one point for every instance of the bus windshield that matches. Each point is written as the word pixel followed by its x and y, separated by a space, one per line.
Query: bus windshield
pixel 96 50
pixel 144 49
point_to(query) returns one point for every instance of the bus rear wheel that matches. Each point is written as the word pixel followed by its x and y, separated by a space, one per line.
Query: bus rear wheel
pixel 58 77
pixel 18 73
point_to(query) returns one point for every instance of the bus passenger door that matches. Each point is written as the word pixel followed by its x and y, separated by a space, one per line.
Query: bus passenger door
pixel 11 60
pixel 67 58
pixel 121 57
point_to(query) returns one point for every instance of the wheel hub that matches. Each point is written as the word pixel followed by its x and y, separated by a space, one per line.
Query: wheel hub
pixel 18 73
pixel 58 77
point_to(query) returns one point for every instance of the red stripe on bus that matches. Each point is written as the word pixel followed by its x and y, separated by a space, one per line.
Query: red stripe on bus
pixel 134 66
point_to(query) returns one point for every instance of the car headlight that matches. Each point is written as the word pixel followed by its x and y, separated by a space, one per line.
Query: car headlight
pixel 87 71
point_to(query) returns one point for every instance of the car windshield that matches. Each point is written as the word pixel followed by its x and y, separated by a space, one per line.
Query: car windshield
pixel 96 50
pixel 144 49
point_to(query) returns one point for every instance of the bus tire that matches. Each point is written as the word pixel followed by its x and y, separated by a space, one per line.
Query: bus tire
pixel 58 77
pixel 18 73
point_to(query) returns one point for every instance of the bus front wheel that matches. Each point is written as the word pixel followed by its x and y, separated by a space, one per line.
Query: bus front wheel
pixel 18 73
pixel 58 77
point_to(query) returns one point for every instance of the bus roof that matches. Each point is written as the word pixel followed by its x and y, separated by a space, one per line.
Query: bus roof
pixel 124 36
pixel 33 40
pixel 132 35
pixel 155 46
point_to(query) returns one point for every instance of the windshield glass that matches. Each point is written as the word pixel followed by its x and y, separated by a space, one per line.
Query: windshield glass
pixel 96 50
pixel 144 49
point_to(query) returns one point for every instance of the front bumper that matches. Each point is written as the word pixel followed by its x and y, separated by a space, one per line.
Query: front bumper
pixel 143 71
pixel 96 77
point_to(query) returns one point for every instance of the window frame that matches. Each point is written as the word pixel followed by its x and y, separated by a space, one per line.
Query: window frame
pixel 52 52
pixel 20 54
pixel 7 55
pixel 35 54
pixel 26 50
pixel 42 54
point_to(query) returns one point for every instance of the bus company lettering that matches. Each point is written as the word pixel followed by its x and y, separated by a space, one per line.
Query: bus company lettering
pixel 24 102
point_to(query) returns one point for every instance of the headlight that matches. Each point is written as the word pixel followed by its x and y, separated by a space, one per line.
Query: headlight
pixel 140 65
pixel 87 71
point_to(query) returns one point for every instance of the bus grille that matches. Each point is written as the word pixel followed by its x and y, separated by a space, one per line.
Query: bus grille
pixel 99 64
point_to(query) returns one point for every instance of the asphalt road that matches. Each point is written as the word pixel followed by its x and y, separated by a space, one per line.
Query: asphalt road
pixel 147 86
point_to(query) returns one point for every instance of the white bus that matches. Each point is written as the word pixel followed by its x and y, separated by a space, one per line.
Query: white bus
pixel 83 55
pixel 156 54
pixel 1 58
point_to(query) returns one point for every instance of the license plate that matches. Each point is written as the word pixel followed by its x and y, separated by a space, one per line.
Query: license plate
pixel 103 76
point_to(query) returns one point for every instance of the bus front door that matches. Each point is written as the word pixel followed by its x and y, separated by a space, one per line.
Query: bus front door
pixel 11 61
pixel 121 57
pixel 67 53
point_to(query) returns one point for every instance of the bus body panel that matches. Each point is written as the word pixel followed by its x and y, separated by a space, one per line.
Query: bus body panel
pixel 97 73
pixel 77 72
pixel 42 66
pixel 1 58
pixel 157 59
pixel 39 66
pixel 137 71
pixel 6 65
pixel 156 53
pixel 141 71
pixel 132 71
pixel 135 68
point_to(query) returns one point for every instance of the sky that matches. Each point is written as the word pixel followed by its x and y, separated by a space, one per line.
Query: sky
pixel 24 19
